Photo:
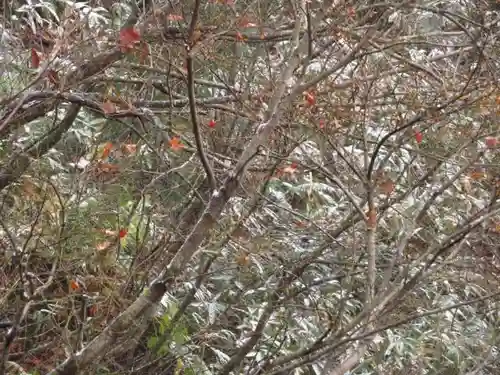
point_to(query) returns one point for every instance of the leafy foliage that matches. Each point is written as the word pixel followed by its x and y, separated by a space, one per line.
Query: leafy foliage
pixel 249 187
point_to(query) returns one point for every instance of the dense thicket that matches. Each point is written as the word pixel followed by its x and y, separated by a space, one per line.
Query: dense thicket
pixel 249 187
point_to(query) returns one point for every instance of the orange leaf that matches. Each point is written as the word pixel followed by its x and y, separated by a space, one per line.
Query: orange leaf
pixel 74 285
pixel 176 144
pixel 106 150
pixel 35 59
pixel 108 107
pixel 123 232
pixel 128 37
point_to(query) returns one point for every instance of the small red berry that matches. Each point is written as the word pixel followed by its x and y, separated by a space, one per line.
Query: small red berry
pixel 211 124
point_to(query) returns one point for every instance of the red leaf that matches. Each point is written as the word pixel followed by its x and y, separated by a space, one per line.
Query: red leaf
pixel 106 150
pixel 491 142
pixel 91 310
pixel 74 285
pixel 311 100
pixel 418 137
pixel 211 124
pixel 175 17
pixel 123 232
pixel 35 59
pixel 128 37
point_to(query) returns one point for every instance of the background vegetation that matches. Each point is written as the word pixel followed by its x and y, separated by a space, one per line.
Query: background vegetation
pixel 249 187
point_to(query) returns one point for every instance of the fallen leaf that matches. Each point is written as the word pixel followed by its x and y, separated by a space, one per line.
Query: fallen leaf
pixel 176 144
